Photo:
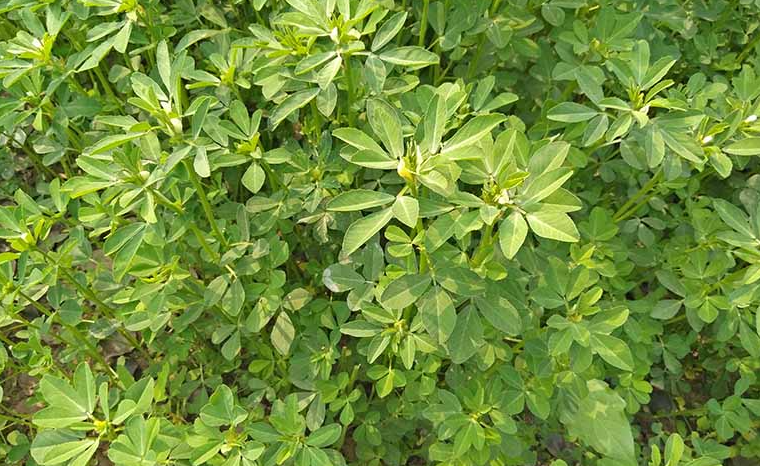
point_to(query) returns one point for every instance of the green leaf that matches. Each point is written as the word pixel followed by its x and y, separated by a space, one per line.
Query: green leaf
pixel 221 409
pixel 292 103
pixel 324 436
pixel 358 199
pixel 570 112
pixel 438 314
pixel 388 30
pixel 434 124
pixel 339 278
pixel 500 313
pixel 253 178
pixel 358 139
pixel 639 62
pixel 387 126
pixel 460 281
pixel 553 225
pixel 360 329
pixel 164 65
pixel 234 299
pixel 283 333
pixel 405 290
pixel 111 142
pixel 745 147
pixel 600 421
pixel 410 56
pixel 469 134
pixel 467 336
pixel 406 210
pixel 544 185
pixel 201 164
pixel 52 447
pixel 512 233
pixel 613 350
pixel 734 217
pixel 363 229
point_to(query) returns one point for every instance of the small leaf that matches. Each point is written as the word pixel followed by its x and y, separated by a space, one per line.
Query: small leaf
pixel 512 233
pixel 405 290
pixel 438 314
pixel 406 209
pixel 363 229
pixel 283 334
pixel 613 350
pixel 570 112
pixel 253 178
pixel 472 132
pixel 410 56
pixel 388 30
pixel 292 103
pixel 746 147
pixel 553 225
pixel 358 199
pixel 324 436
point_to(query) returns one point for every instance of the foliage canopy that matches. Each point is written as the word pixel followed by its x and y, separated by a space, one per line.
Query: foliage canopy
pixel 367 232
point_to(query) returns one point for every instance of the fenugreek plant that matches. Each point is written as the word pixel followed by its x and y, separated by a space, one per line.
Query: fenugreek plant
pixel 377 232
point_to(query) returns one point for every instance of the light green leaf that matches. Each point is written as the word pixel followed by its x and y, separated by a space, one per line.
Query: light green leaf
pixel 601 422
pixel 283 333
pixel 406 210
pixel 358 139
pixel 221 409
pixel 467 336
pixel 292 103
pixel 339 277
pixel 363 229
pixel 324 436
pixel 438 314
pixel 253 178
pixel 613 350
pixel 469 134
pixel 388 30
pixel 553 225
pixel 734 217
pixel 512 233
pixel 386 124
pixel 746 147
pixel 358 199
pixel 405 290
pixel 544 185
pixel 410 56
pixel 570 112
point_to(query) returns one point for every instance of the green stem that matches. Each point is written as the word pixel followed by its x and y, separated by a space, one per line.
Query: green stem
pixel 623 210
pixel 204 202
pixel 683 412
pixel 35 158
pixel 748 48
pixel 423 23
pixel 350 89
pixel 109 312
pixel 478 53
pixel 201 239
pixel 75 331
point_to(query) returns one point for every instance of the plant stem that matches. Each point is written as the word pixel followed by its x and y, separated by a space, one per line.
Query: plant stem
pixel 350 88
pixel 622 212
pixel 204 202
pixel 75 331
pixel 423 23
pixel 748 48
pixel 109 312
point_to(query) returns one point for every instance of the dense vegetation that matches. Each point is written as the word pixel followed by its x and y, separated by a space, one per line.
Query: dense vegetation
pixel 367 232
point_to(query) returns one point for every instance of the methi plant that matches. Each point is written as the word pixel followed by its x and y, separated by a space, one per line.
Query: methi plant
pixel 377 232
